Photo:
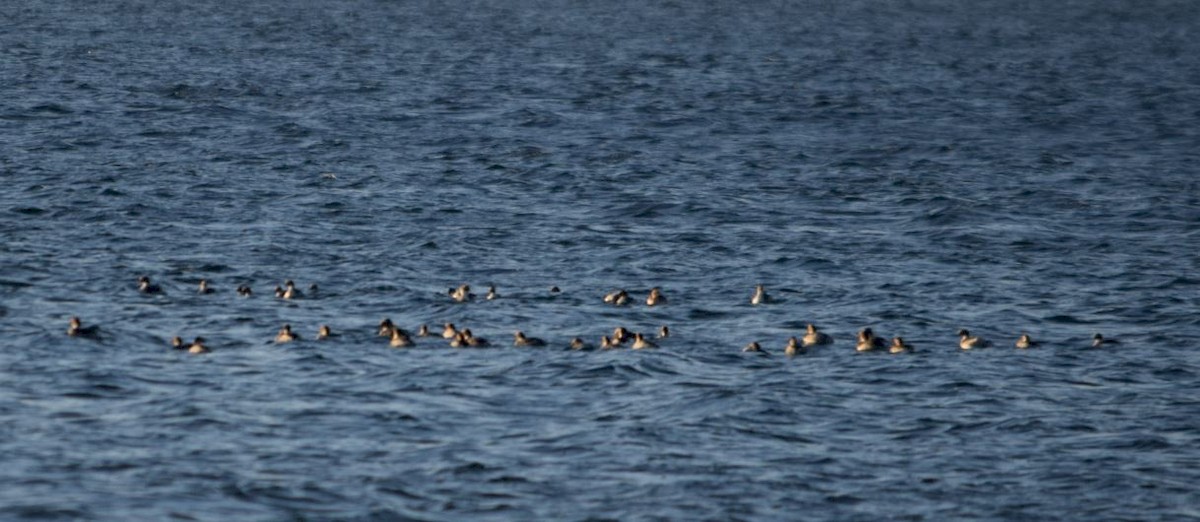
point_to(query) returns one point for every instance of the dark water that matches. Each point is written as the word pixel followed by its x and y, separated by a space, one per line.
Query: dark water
pixel 916 167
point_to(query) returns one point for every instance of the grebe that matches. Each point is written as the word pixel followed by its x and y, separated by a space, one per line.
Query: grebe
pixel 812 337
pixel 641 343
pixel 966 341
pixel 656 297
pixel 760 295
pixel 75 328
pixel 399 339
pixel 145 287
pixel 899 346
pixel 519 339
pixel 1024 341
pixel 793 346
pixel 286 335
pixel 867 341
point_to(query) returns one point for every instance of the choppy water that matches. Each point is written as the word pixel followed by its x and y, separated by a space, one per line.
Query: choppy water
pixel 916 167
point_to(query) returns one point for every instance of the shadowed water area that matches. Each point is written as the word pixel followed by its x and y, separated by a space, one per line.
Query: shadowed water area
pixel 914 167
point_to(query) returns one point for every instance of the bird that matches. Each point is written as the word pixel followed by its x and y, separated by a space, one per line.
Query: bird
pixel 290 291
pixel 386 326
pixel 620 335
pixel 617 298
pixel 753 347
pixel 146 287
pixel 197 346
pixel 324 332
pixel 1099 340
pixel 460 341
pixel 204 288
pixel 423 331
pixel 966 341
pixel 399 339
pixel 1024 341
pixel 178 344
pixel 286 335
pixel 461 294
pixel 75 328
pixel 449 332
pixel 760 295
pixel 244 291
pixel 279 291
pixel 607 344
pixel 793 347
pixel 867 341
pixel 812 337
pixel 640 342
pixel 656 297
pixel 664 332
pixel 579 344
pixel 899 346
pixel 472 341
pixel 519 339
pixel 491 293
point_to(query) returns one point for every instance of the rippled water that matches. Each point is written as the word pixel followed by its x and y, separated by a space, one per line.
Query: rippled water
pixel 916 167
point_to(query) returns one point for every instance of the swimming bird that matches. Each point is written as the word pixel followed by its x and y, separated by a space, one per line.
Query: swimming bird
pixel 178 344
pixel 1024 341
pixel 578 344
pixel 75 328
pixel 554 290
pixel 1099 340
pixel 472 341
pixel 664 332
pixel 286 335
pixel 491 293
pixel 449 332
pixel 279 291
pixel 867 341
pixel 899 346
pixel 244 291
pixel 324 332
pixel 198 346
pixel 760 295
pixel 399 339
pixel 620 335
pixel 793 347
pixel 812 337
pixel 966 341
pixel 617 298
pixel 460 341
pixel 145 287
pixel 204 288
pixel 386 326
pixel 640 342
pixel 656 297
pixel 461 294
pixel 290 291
pixel 519 339
pixel 753 347
pixel 313 289
pixel 423 331
pixel 606 343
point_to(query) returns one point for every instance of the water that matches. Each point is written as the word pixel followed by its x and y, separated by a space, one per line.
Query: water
pixel 916 167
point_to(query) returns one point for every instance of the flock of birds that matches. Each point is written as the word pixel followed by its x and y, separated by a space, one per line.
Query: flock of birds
pixel 866 340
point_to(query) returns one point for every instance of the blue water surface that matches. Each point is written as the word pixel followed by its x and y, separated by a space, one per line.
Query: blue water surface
pixel 915 167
